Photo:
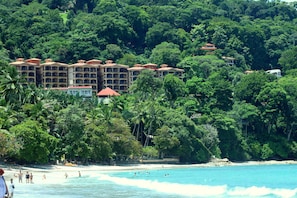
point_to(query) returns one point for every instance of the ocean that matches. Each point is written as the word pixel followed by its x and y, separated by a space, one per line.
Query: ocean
pixel 219 181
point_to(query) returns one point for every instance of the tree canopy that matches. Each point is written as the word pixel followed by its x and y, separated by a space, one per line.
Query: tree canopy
pixel 218 109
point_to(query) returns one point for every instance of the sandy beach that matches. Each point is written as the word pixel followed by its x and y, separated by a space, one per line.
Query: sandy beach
pixel 44 173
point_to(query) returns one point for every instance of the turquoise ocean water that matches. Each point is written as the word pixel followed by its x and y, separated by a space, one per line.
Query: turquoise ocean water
pixel 220 181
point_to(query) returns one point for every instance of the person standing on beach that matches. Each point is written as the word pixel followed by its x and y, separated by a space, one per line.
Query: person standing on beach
pixel 31 178
pixel 3 186
pixel 20 176
pixel 11 188
pixel 27 177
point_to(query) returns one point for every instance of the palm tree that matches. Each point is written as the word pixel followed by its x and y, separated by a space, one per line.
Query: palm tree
pixel 11 87
pixel 153 120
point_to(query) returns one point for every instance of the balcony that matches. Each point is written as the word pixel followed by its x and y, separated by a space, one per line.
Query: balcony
pixel 62 75
pixel 123 88
pixel 78 69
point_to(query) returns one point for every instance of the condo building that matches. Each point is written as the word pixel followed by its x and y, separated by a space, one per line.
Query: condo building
pixel 84 73
pixel 28 69
pixel 54 74
pixel 114 76
pixel 133 72
pixel 92 74
pixel 165 69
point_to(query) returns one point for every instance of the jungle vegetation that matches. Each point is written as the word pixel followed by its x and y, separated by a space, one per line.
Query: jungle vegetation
pixel 217 110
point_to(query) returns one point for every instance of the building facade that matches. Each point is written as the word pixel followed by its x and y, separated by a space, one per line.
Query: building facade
pixel 83 91
pixel 114 76
pixel 92 73
pixel 27 69
pixel 54 74
pixel 84 73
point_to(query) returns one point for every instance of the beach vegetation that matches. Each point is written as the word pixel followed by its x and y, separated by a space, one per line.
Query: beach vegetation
pixel 225 106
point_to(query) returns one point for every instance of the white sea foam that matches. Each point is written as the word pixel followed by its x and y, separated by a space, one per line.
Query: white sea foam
pixel 262 191
pixel 201 190
pixel 169 188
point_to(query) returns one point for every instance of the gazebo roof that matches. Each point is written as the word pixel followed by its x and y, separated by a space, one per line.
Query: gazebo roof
pixel 107 92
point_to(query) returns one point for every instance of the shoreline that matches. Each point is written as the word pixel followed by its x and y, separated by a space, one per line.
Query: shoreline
pixel 41 172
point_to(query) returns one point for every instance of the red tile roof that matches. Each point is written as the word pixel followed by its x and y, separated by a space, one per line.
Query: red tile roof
pixel 107 92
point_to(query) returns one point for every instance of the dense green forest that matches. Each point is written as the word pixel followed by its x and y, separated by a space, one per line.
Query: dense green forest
pixel 217 110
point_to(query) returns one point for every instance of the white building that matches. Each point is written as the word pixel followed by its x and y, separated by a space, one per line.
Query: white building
pixel 276 72
pixel 83 91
